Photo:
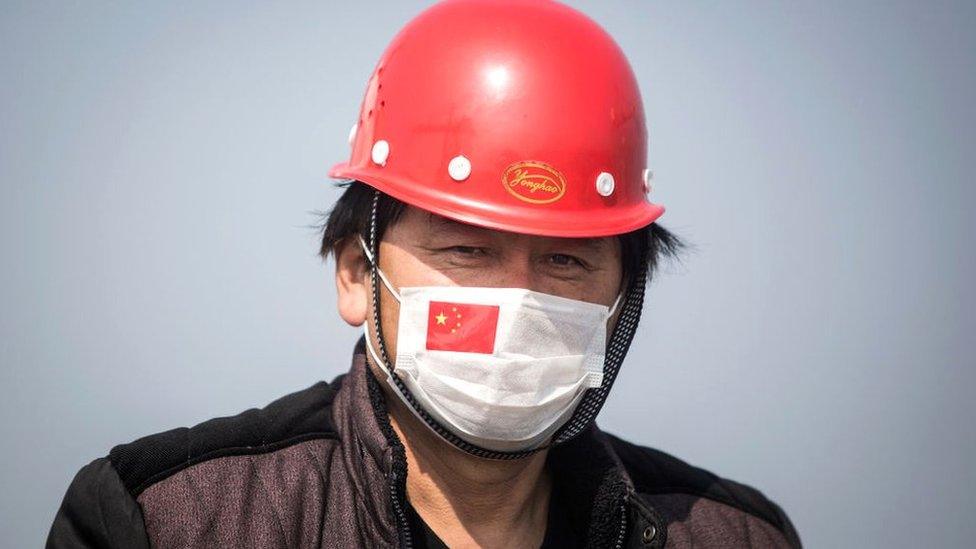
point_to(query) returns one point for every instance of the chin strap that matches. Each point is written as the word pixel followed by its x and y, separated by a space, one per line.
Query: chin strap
pixel 589 406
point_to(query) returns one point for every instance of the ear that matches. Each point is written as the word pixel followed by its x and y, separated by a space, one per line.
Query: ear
pixel 352 281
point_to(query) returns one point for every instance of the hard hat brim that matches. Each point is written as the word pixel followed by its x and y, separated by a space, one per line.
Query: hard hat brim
pixel 516 218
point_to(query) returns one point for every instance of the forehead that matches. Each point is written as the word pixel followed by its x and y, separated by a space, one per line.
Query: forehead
pixel 417 223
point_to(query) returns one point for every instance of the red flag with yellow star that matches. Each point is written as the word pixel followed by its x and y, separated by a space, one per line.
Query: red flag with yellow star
pixel 461 327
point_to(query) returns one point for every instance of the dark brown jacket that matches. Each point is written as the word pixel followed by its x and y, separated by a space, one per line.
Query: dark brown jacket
pixel 322 468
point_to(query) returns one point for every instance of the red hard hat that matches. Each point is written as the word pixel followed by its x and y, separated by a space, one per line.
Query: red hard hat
pixel 518 115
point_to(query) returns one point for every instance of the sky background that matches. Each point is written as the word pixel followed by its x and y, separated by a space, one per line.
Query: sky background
pixel 160 163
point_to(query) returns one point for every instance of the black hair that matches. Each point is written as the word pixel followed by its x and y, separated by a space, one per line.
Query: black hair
pixel 351 214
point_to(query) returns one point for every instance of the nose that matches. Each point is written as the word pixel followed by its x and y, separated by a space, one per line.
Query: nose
pixel 517 270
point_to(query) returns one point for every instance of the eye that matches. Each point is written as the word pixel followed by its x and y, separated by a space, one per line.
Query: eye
pixel 468 251
pixel 565 260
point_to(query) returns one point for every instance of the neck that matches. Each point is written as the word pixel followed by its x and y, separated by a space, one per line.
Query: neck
pixel 470 501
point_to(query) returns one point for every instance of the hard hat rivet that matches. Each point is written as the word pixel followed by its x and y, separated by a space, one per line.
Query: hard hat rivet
pixel 352 133
pixel 459 168
pixel 604 184
pixel 381 151
pixel 648 175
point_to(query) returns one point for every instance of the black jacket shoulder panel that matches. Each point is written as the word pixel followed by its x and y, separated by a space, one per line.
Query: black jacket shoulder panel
pixel 299 416
pixel 98 511
pixel 655 472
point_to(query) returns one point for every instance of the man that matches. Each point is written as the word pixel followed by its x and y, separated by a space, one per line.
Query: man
pixel 494 242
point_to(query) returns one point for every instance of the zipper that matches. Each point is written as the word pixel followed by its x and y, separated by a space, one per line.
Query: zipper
pixel 402 525
pixel 623 524
pixel 642 510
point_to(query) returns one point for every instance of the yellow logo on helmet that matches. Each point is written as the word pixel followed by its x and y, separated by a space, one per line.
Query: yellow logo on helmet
pixel 534 182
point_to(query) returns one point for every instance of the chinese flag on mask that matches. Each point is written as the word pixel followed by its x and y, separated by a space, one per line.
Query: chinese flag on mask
pixel 461 327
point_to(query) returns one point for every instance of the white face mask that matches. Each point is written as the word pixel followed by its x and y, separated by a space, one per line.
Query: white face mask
pixel 501 368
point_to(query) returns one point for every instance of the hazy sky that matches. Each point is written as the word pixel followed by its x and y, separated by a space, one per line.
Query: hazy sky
pixel 159 163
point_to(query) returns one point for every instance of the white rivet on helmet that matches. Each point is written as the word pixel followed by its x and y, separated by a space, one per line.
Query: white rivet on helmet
pixel 604 184
pixel 381 151
pixel 352 133
pixel 459 168
pixel 648 175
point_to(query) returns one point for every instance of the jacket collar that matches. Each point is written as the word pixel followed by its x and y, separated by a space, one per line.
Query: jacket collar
pixel 372 454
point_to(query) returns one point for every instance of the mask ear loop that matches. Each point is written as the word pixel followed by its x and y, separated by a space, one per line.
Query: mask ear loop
pixel 617 347
pixel 376 267
pixel 613 308
pixel 371 256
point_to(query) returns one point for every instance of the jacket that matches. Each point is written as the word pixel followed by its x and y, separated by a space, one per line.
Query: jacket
pixel 322 467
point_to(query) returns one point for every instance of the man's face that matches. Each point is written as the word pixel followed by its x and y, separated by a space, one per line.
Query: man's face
pixel 424 249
